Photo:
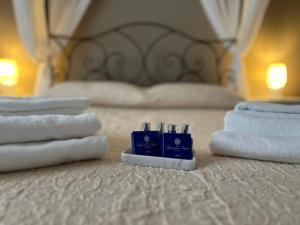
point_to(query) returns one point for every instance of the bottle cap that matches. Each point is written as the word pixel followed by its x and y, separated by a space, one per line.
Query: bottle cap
pixel 186 128
pixel 161 127
pixel 145 126
pixel 172 128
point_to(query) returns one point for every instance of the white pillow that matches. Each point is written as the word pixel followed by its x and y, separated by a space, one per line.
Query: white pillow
pixel 178 95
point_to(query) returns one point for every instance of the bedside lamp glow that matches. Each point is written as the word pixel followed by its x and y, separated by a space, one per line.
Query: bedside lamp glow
pixel 9 74
pixel 277 76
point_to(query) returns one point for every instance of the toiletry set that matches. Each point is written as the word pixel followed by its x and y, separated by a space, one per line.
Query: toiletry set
pixel 170 144
pixel 165 148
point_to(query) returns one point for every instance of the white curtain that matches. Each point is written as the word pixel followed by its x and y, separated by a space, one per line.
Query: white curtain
pixel 31 19
pixel 238 19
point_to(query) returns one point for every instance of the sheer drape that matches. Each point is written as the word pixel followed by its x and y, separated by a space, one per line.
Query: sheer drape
pixel 238 19
pixel 31 19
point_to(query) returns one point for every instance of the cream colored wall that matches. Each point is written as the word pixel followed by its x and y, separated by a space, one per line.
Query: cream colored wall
pixel 11 47
pixel 184 15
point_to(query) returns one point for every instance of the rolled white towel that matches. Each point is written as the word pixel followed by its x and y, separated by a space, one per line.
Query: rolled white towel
pixel 262 123
pixel 278 149
pixel 14 129
pixel 39 154
pixel 42 106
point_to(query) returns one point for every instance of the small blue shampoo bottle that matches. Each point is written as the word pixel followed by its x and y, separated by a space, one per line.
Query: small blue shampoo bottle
pixel 177 145
pixel 145 142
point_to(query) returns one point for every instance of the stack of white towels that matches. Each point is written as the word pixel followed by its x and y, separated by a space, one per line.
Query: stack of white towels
pixel 258 130
pixel 39 131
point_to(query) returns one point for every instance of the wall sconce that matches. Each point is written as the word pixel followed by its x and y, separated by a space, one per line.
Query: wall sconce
pixel 276 78
pixel 9 73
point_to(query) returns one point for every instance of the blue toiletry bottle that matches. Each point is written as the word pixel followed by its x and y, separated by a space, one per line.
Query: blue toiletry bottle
pixel 145 142
pixel 177 145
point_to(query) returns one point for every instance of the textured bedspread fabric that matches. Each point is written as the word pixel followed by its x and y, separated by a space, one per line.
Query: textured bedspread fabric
pixel 221 190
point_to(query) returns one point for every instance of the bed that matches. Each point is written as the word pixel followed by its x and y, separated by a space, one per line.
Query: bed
pixel 221 190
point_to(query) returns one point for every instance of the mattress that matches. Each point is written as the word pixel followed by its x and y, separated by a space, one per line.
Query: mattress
pixel 221 190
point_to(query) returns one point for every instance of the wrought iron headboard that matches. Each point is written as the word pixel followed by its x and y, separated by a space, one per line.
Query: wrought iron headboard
pixel 108 60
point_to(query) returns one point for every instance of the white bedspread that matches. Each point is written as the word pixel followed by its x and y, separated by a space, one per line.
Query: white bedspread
pixel 221 191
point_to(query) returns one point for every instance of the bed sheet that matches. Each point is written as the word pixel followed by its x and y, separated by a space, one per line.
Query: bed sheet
pixel 221 190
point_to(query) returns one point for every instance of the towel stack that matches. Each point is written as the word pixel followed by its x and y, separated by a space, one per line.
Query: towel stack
pixel 39 131
pixel 258 130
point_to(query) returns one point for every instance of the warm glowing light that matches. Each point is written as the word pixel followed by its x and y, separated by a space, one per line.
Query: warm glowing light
pixel 277 76
pixel 9 74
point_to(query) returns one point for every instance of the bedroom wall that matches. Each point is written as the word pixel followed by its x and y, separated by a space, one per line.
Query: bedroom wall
pixel 11 47
pixel 106 14
pixel 109 13
pixel 277 41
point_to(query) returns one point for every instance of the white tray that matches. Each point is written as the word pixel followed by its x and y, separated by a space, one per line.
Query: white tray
pixel 155 161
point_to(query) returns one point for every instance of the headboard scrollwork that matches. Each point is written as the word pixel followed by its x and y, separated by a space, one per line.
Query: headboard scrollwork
pixel 168 55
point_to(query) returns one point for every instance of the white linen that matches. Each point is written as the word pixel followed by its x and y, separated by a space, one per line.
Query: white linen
pixel 267 107
pixel 31 22
pixel 263 118
pixel 64 16
pixel 16 129
pixel 267 124
pixel 174 95
pixel 269 148
pixel 39 154
pixel 42 105
pixel 260 130
pixel 236 19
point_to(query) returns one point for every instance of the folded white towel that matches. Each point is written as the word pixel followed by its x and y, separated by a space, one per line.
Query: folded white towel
pixel 15 129
pixel 259 130
pixel 39 154
pixel 267 107
pixel 279 149
pixel 262 123
pixel 42 105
